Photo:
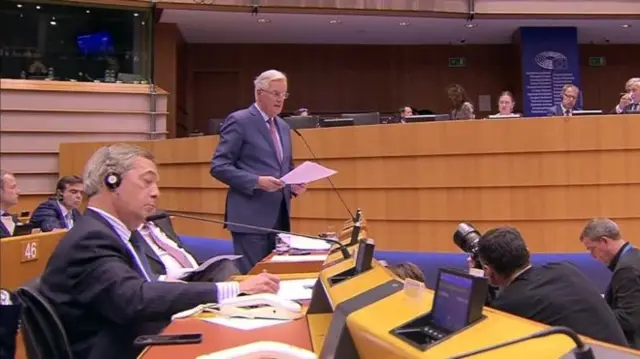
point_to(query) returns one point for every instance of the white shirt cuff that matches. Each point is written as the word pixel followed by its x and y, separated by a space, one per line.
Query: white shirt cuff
pixel 162 278
pixel 227 290
pixel 618 109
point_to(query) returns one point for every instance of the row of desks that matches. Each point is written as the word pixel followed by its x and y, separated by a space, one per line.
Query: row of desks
pixel 369 326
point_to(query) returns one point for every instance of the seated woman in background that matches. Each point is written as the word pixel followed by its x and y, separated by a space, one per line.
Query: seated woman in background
pixel 461 107
pixel 506 103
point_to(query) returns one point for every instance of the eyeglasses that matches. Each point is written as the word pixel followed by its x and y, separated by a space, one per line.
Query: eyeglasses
pixel 277 94
pixel 570 97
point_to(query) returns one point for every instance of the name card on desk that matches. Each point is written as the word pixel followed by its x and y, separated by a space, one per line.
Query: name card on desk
pixel 29 250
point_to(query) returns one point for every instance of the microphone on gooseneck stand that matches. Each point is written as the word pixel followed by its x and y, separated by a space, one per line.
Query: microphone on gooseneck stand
pixel 581 351
pixel 353 218
pixel 157 216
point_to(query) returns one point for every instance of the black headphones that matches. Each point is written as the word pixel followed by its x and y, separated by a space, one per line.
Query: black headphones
pixel 112 180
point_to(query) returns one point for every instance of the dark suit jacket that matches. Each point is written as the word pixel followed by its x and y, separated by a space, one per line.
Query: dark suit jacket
pixel 48 216
pixel 556 110
pixel 246 151
pixel 218 273
pixel 101 297
pixel 558 294
pixel 632 108
pixel 623 294
pixel 4 231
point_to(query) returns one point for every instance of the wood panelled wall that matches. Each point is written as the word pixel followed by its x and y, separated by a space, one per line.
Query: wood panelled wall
pixel 547 177
pixel 340 78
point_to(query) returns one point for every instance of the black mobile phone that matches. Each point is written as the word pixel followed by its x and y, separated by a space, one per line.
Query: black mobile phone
pixel 168 339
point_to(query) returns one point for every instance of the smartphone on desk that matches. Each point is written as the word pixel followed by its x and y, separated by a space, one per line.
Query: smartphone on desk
pixel 168 339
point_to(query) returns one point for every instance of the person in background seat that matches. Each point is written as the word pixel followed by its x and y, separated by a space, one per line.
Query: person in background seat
pixel 9 193
pixel 556 294
pixel 60 211
pixel 301 112
pixel 570 95
pixel 602 238
pixel 461 107
pixel 407 270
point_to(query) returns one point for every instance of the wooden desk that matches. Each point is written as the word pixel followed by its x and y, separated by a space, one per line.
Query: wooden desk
pixel 24 258
pixel 528 173
pixel 287 267
pixel 302 333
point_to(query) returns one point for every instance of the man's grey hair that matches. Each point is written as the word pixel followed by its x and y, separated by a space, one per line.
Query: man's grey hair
pixel 569 86
pixel 601 227
pixel 263 80
pixel 117 158
pixel 632 81
pixel 2 174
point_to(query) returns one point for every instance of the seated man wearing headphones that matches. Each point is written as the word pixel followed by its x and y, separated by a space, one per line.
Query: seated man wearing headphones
pixel 61 210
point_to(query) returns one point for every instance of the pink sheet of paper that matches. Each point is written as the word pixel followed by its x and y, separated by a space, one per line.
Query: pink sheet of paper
pixel 307 173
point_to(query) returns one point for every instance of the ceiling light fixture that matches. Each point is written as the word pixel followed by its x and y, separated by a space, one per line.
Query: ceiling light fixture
pixel 404 23
pixel 626 26
pixel 88 11
pixel 37 7
pixel 263 21
pixel 335 22
pixel 470 25
pixel 19 5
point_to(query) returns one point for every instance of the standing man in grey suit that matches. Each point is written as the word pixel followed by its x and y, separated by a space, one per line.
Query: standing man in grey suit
pixel 254 152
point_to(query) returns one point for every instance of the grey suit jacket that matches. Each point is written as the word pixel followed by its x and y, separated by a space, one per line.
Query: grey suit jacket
pixel 246 151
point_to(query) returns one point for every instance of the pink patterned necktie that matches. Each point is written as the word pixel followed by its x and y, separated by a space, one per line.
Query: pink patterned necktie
pixel 177 254
pixel 274 138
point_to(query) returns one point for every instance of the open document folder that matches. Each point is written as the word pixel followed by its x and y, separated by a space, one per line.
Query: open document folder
pixel 211 262
pixel 306 173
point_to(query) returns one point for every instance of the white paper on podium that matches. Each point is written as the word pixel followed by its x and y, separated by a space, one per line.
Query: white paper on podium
pixel 307 173
pixel 299 242
pixel 296 289
pixel 301 258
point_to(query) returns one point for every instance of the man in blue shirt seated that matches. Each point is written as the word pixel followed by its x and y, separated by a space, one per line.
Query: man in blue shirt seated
pixel 97 279
pixel 61 210
pixel 556 294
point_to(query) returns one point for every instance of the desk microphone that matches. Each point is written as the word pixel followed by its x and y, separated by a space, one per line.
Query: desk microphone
pixel 353 218
pixel 163 215
pixel 581 351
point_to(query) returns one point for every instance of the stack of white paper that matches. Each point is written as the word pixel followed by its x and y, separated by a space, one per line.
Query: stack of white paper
pixel 296 289
pixel 303 243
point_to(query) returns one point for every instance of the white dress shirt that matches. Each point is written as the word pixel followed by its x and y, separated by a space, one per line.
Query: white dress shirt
pixel 67 215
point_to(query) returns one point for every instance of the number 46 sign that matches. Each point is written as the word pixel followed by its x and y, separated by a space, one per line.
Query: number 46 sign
pixel 29 250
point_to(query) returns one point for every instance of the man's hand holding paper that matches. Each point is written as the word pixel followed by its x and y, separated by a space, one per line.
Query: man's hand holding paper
pixel 307 173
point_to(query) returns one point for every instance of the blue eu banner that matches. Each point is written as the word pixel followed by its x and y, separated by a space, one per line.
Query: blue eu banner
pixel 550 60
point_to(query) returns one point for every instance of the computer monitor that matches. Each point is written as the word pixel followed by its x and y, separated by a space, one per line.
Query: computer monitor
pixel 586 112
pixel 498 117
pixel 427 118
pixel 299 122
pixel 335 122
pixel 452 307
pixel 457 304
pixel 23 229
pixel 360 119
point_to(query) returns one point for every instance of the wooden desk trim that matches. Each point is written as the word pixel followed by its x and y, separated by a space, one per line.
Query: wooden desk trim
pixel 68 86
